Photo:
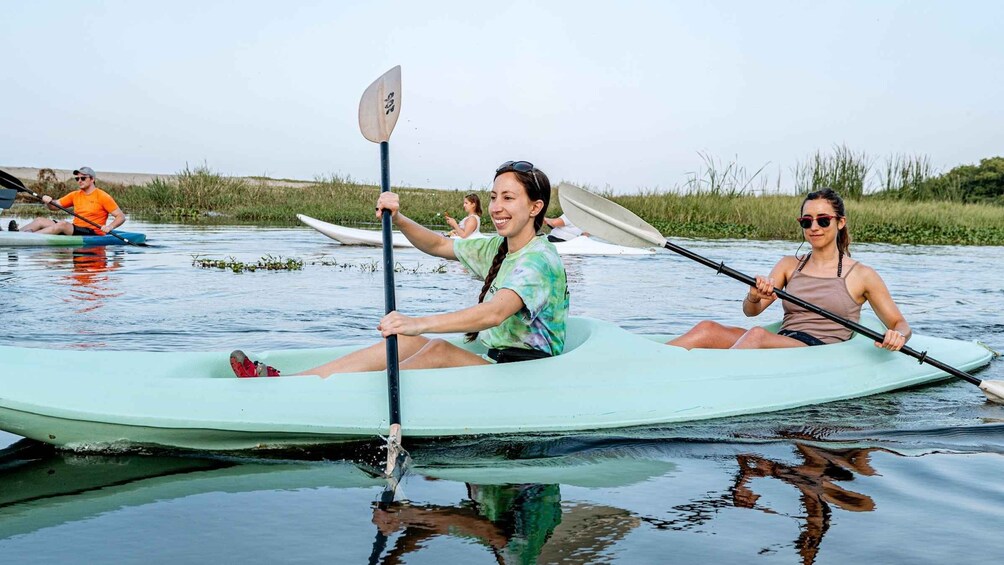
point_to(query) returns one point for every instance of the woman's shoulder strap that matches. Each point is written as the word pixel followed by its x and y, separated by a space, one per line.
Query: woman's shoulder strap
pixel 851 268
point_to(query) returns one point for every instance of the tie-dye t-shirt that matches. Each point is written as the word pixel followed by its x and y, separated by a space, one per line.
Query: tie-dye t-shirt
pixel 537 275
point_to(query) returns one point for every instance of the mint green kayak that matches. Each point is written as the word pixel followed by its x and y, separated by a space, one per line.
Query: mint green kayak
pixel 607 378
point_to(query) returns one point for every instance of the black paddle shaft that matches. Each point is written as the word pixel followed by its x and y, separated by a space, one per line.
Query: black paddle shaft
pixel 918 355
pixel 16 183
pixel 393 381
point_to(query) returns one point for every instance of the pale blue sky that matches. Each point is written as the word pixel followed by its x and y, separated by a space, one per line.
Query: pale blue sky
pixel 621 94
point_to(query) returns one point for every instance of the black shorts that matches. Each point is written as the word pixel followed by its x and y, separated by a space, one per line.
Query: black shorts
pixel 513 354
pixel 77 230
pixel 801 336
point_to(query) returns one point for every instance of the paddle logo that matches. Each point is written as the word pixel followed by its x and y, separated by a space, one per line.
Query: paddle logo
pixel 388 104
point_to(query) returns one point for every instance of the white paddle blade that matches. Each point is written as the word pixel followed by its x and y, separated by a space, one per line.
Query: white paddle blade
pixel 994 390
pixel 606 219
pixel 380 106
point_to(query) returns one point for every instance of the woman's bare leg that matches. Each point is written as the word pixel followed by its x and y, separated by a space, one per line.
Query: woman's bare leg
pixel 708 335
pixel 759 338
pixel 372 358
pixel 438 353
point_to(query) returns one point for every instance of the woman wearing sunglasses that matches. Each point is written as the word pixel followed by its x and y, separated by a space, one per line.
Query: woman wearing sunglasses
pixel 521 311
pixel 825 276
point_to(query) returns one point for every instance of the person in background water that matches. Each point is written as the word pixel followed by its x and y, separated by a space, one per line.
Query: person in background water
pixel 523 305
pixel 825 276
pixel 562 229
pixel 88 201
pixel 471 223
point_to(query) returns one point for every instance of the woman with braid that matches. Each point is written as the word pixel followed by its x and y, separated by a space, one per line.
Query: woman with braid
pixel 825 276
pixel 521 311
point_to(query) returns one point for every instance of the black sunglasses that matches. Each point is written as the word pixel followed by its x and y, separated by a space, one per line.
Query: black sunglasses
pixel 823 220
pixel 78 179
pixel 520 166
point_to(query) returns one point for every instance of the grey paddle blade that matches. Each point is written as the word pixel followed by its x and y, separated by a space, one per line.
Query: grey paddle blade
pixel 10 181
pixel 606 219
pixel 994 391
pixel 380 106
pixel 7 196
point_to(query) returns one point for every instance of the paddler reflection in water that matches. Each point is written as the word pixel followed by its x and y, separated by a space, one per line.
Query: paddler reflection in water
pixel 821 479
pixel 523 304
pixel 815 480
pixel 522 523
pixel 825 276
pixel 91 267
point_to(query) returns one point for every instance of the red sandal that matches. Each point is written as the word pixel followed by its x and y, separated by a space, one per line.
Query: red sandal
pixel 244 367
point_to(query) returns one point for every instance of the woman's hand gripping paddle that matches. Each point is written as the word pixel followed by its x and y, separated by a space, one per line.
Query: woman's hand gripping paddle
pixel 379 109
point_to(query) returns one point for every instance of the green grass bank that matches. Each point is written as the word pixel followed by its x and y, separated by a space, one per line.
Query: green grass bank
pixel 200 196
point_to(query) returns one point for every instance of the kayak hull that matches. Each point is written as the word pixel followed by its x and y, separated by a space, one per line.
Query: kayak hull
pixel 607 378
pixel 352 236
pixel 25 239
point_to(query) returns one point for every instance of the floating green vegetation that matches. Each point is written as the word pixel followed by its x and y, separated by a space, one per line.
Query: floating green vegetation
pixel 270 263
pixel 373 266
pixel 266 263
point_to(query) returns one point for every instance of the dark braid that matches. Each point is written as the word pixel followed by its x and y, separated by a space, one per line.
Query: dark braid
pixel 489 279
pixel 538 187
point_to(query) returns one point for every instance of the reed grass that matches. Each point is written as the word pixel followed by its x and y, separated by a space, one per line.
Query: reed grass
pixel 730 179
pixel 720 202
pixel 914 180
pixel 773 217
pixel 203 196
pixel 842 170
pixel 906 176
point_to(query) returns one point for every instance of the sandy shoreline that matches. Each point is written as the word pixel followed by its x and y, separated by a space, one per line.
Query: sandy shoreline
pixel 30 174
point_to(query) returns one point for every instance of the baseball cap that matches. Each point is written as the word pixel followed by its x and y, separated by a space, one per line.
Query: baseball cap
pixel 84 171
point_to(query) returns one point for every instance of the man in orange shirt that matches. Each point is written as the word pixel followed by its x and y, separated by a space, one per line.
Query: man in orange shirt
pixel 89 201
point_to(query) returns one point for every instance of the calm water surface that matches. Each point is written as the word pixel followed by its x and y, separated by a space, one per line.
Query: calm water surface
pixel 906 477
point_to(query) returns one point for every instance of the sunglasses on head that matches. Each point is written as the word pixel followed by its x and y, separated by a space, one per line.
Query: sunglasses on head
pixel 823 220
pixel 78 179
pixel 522 167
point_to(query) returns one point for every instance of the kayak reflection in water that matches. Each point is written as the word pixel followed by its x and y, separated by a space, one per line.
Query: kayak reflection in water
pixel 523 305
pixel 520 523
pixel 811 277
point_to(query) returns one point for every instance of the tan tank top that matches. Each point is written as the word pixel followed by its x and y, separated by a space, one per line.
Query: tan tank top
pixel 829 293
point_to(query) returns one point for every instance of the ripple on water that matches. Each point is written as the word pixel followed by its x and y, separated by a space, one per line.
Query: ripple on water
pixel 891 478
